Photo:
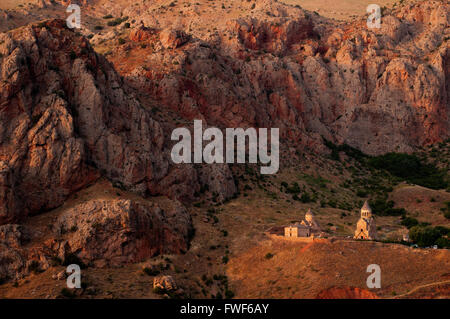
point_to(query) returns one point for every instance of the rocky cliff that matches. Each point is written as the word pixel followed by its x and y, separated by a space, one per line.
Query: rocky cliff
pixel 274 65
pixel 67 118
pixel 70 116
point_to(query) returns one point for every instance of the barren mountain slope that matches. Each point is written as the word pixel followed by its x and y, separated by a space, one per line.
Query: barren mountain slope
pixel 279 66
pixel 86 118
pixel 268 64
pixel 303 270
pixel 340 10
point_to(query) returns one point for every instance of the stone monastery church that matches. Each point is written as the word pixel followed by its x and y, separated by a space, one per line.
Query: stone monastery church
pixel 306 228
pixel 365 228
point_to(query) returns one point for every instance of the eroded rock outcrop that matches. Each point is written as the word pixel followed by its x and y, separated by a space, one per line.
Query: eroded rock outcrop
pixel 67 119
pixel 12 260
pixel 164 283
pixel 378 90
pixel 172 39
pixel 114 232
pixel 97 232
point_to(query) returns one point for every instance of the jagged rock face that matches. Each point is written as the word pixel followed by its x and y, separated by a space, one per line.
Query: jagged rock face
pixel 69 118
pixel 12 262
pixel 172 39
pixel 41 154
pixel 143 34
pixel 277 37
pixel 378 90
pixel 100 232
pixel 114 232
pixel 8 203
pixel 16 259
pixel 66 120
pixel 219 180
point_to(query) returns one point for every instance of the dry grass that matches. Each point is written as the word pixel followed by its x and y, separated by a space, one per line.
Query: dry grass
pixel 422 203
pixel 299 270
pixel 11 4
pixel 296 271
pixel 340 10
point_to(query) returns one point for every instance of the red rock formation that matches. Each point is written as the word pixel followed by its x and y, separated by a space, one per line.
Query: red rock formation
pixel 100 233
pixel 346 293
pixel 172 39
pixel 67 119
pixel 121 231
pixel 376 90
pixel 12 261
pixel 273 36
pixel 143 34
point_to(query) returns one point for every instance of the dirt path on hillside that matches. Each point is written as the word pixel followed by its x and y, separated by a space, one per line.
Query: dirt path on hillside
pixel 341 10
pixel 421 287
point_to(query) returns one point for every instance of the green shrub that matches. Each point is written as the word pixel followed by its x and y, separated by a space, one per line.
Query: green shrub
pixel 268 256
pixel 332 203
pixel 159 291
pixel 443 242
pixel 225 259
pixel 446 210
pixel 409 222
pixel 428 236
pixel 293 189
pixel 68 293
pixel 116 21
pixel 411 168
pixel 73 55
pixel 3 280
pixel 305 198
pixel 361 193
pixel 71 258
pixel 347 149
pixel 382 207
pixel 395 212
pixel 35 267
pixel 151 271
pixel 229 294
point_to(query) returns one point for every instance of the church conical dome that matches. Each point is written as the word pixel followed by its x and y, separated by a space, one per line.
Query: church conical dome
pixel 365 227
pixel 366 211
pixel 309 216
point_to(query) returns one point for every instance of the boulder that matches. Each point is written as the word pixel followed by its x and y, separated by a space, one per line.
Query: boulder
pixel 172 39
pixel 143 33
pixel 115 232
pixel 164 283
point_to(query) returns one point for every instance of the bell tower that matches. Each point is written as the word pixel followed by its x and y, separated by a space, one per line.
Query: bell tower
pixel 365 227
pixel 366 211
